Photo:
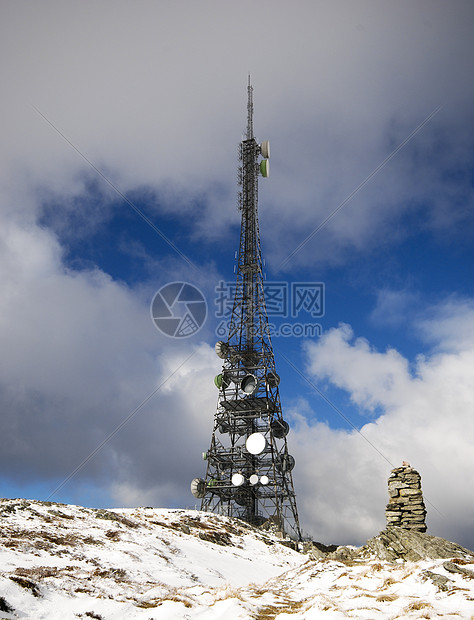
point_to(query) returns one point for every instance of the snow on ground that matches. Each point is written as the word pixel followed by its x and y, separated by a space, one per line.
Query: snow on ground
pixel 66 562
pixel 370 590
pixel 59 561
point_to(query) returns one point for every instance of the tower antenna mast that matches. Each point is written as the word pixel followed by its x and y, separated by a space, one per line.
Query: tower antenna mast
pixel 249 469
pixel 249 111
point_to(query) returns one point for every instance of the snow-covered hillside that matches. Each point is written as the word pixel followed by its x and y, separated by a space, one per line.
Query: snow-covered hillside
pixel 66 562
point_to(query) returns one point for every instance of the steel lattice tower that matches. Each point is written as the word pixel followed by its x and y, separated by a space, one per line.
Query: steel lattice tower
pixel 248 466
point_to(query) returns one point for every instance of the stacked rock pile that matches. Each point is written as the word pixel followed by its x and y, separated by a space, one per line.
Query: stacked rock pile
pixel 405 506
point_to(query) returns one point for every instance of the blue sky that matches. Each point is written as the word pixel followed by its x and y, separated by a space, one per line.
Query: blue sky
pixel 368 108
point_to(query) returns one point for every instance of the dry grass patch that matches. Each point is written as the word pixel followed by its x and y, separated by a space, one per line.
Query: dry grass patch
pixel 27 584
pixel 43 538
pixel 389 581
pixel 4 606
pixel 117 574
pixel 376 567
pixel 270 611
pixel 462 562
pixel 418 606
pixel 156 602
pixel 38 572
pixel 386 598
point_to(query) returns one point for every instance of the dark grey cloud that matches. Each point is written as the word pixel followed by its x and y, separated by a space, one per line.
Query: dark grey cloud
pixel 154 94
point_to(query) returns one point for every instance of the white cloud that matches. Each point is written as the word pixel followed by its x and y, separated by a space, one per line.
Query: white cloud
pixel 449 326
pixel 79 354
pixel 427 420
pixel 153 95
pixel 375 378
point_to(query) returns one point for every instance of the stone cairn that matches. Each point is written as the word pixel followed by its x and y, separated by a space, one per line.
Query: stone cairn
pixel 405 506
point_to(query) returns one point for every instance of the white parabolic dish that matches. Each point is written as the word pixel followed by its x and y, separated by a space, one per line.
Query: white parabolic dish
pixel 238 480
pixel 255 443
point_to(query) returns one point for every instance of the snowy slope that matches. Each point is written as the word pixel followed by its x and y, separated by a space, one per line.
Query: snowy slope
pixel 66 562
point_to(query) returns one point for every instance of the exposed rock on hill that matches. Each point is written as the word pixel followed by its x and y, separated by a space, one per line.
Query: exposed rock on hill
pixel 399 543
pixel 393 544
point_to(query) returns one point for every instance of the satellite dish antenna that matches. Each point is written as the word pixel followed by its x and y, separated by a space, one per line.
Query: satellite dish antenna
pixel 221 381
pixel 287 462
pixel 273 380
pixel 249 384
pixel 264 480
pixel 222 349
pixel 280 428
pixel 265 149
pixel 238 480
pixel 255 443
pixel 241 498
pixel 253 479
pixel 224 427
pixel 198 488
pixel 265 168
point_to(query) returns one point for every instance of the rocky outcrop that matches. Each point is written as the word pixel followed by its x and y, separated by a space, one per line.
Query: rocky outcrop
pixel 405 506
pixel 397 543
pixel 405 537
pixel 317 550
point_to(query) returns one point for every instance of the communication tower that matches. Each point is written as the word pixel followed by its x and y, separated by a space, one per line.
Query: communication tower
pixel 249 470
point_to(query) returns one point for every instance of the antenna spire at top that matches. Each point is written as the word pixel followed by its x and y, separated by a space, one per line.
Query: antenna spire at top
pixel 250 111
